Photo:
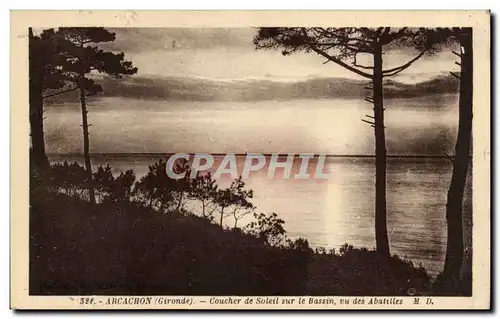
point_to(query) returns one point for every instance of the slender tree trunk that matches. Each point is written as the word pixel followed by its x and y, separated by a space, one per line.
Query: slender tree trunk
pixel 221 216
pixel 86 146
pixel 38 156
pixel 235 220
pixel 455 246
pixel 382 240
pixel 180 201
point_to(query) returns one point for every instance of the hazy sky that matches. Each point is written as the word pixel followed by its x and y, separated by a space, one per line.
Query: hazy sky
pixel 230 54
pixel 332 126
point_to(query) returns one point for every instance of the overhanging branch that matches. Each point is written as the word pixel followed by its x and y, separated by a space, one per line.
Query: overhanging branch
pixel 403 67
pixel 455 75
pixel 388 38
pixel 333 59
pixel 368 122
pixel 60 92
pixel 339 62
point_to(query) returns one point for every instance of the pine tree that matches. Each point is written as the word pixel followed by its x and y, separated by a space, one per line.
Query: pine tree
pixel 437 39
pixel 43 76
pixel 342 46
pixel 78 57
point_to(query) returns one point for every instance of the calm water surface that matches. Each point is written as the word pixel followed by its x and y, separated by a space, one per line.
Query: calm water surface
pixel 340 210
pixel 327 213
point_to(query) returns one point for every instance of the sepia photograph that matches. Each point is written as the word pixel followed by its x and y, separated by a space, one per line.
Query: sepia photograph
pixel 243 164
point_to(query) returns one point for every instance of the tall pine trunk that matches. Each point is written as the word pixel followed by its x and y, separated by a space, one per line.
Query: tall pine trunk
pixel 455 245
pixel 86 146
pixel 382 241
pixel 38 156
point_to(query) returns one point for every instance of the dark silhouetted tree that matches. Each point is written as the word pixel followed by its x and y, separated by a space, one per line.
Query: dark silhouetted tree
pixel 109 188
pixel 154 190
pixel 436 39
pixel 204 189
pixel 39 158
pixel 268 228
pixel 43 76
pixel 342 47
pixel 122 188
pixel 79 56
pixel 157 190
pixel 181 188
pixel 235 198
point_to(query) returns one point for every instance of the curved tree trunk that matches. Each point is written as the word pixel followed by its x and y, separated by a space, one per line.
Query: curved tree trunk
pixel 38 156
pixel 382 240
pixel 86 146
pixel 455 246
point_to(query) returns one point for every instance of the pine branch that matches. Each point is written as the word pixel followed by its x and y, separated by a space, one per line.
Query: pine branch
pixel 331 34
pixel 393 73
pixel 449 158
pixel 333 59
pixel 337 61
pixel 445 154
pixel 388 38
pixel 455 75
pixel 368 122
pixel 403 67
pixel 61 92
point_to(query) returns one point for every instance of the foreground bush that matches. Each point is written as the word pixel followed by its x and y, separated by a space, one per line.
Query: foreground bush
pixel 358 272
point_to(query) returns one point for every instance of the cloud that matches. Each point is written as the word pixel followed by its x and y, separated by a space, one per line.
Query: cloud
pixel 171 39
pixel 228 53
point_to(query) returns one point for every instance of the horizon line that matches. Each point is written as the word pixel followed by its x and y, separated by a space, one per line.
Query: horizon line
pixel 255 153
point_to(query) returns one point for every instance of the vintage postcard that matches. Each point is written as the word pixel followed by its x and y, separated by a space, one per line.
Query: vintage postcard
pixel 250 160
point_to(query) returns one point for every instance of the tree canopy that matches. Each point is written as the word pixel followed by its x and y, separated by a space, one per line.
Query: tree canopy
pixel 340 45
pixel 78 54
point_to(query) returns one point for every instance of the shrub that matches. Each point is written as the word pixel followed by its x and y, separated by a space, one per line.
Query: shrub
pixel 103 182
pixel 204 189
pixel 67 178
pixel 157 190
pixel 236 200
pixel 122 187
pixel 268 228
